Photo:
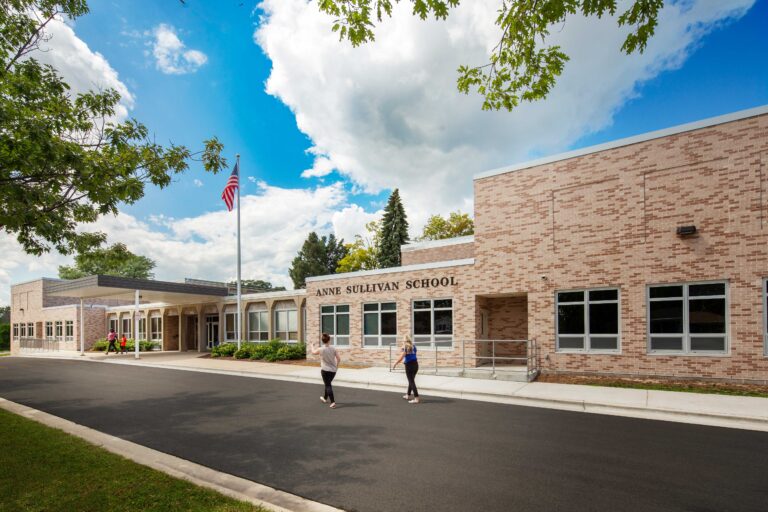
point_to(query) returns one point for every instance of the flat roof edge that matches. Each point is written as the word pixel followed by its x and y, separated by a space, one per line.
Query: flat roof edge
pixel 394 270
pixel 635 139
pixel 432 244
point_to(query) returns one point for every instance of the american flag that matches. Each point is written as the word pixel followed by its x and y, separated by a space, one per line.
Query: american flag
pixel 233 183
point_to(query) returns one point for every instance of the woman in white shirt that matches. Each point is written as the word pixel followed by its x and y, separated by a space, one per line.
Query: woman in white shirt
pixel 329 364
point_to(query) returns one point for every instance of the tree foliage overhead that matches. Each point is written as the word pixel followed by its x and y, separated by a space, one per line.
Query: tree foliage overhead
pixel 521 67
pixel 439 228
pixel 64 160
pixel 318 256
pixel 258 285
pixel 394 231
pixel 363 253
pixel 115 260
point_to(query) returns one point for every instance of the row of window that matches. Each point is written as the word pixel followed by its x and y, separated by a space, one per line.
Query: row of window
pixel 432 323
pixel 58 330
pixel 125 326
pixel 286 325
pixel 682 319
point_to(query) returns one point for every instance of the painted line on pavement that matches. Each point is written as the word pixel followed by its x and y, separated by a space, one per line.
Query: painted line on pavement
pixel 224 483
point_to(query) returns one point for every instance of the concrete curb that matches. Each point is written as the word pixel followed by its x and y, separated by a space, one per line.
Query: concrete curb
pixel 592 407
pixel 229 485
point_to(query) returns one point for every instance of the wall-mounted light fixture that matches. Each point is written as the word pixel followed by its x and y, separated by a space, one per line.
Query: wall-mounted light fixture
pixel 686 230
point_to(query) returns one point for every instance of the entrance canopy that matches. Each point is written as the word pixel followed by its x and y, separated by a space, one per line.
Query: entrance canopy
pixel 113 287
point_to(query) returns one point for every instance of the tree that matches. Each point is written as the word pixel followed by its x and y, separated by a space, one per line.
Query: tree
pixel 318 256
pixel 64 161
pixel 394 231
pixel 259 285
pixel 363 253
pixel 439 228
pixel 115 260
pixel 5 314
pixel 521 67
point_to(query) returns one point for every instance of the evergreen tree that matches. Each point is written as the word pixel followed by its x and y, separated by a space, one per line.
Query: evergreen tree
pixel 318 256
pixel 394 232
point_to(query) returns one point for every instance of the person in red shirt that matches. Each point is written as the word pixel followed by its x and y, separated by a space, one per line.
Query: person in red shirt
pixel 123 341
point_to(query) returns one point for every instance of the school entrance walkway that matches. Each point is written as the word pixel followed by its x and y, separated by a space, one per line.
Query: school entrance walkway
pixel 377 453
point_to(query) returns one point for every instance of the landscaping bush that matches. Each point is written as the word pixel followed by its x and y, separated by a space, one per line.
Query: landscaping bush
pixel 144 346
pixel 5 337
pixel 273 350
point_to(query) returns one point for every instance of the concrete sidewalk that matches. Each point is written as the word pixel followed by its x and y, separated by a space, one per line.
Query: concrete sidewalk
pixel 704 409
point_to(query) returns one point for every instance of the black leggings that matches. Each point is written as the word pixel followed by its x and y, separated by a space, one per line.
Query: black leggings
pixel 411 369
pixel 112 346
pixel 327 379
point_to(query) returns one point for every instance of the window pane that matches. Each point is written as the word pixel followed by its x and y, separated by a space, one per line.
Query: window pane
pixel 370 341
pixel 389 324
pixel 388 306
pixel 571 342
pixel 666 343
pixel 343 309
pixel 667 316
pixel 706 316
pixel 326 309
pixel 371 324
pixel 604 295
pixel 603 318
pixel 422 304
pixel 570 319
pixel 327 324
pixel 263 321
pixel 444 322
pixel 342 325
pixel 603 343
pixel 422 322
pixel 370 307
pixel 695 290
pixel 708 343
pixel 293 320
pixel 444 303
pixel 570 296
pixel 657 292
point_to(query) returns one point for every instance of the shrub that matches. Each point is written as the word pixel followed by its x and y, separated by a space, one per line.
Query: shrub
pixel 226 349
pixel 5 336
pixel 144 346
pixel 273 350
pixel 100 345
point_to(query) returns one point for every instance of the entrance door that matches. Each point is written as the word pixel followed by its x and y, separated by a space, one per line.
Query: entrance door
pixel 212 331
pixel 191 332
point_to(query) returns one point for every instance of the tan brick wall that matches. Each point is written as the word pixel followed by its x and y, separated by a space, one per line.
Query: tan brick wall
pixel 609 219
pixel 445 253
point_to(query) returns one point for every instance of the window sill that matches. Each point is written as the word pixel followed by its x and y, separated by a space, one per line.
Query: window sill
pixel 590 352
pixel 690 354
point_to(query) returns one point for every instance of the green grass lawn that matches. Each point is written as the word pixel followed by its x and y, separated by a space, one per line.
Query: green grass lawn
pixel 44 469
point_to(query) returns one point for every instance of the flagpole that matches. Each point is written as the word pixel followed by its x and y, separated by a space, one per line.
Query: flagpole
pixel 239 308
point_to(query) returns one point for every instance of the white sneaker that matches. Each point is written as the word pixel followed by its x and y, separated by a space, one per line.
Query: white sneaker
pixel 414 401
pixel 406 397
pixel 323 400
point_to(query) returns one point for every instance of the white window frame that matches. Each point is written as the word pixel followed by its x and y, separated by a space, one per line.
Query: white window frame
pixel 287 336
pixel 230 335
pixel 58 329
pixel 260 331
pixel 343 341
pixel 142 328
pixel 156 334
pixel 587 335
pixel 113 323
pixel 418 339
pixel 16 331
pixel 123 331
pixel 30 329
pixel 686 334
pixel 22 330
pixel 69 330
pixel 379 342
pixel 49 330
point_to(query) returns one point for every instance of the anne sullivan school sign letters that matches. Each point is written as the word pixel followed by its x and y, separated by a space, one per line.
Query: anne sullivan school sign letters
pixel 389 286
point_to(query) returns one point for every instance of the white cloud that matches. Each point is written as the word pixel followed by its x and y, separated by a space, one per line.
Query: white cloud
pixel 82 68
pixel 275 223
pixel 171 55
pixel 198 183
pixel 387 114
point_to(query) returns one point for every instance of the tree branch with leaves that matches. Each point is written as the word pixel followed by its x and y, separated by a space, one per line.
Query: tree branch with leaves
pixel 521 66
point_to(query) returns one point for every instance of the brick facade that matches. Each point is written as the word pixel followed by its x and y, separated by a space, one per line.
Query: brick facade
pixel 439 250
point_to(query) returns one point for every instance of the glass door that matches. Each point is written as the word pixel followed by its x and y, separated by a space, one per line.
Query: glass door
pixel 212 331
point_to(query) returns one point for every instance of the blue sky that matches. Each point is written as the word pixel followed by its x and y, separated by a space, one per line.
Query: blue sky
pixel 325 131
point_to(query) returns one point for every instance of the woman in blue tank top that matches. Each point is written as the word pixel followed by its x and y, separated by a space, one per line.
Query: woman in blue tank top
pixel 408 353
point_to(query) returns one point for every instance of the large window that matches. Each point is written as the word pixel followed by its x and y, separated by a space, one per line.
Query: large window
pixel 31 330
pixel 334 321
pixel 48 330
pixel 142 328
pixel 379 324
pixel 258 323
pixel 688 318
pixel 15 331
pixel 230 325
pixel 59 330
pixel 433 322
pixel 69 330
pixel 286 321
pixel 113 324
pixel 126 331
pixel 588 320
pixel 23 330
pixel 156 328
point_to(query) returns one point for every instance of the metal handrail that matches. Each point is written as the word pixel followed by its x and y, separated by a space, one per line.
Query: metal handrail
pixel 530 359
pixel 40 344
